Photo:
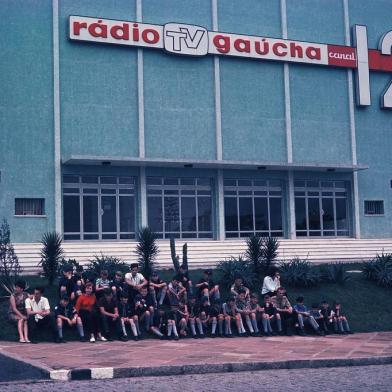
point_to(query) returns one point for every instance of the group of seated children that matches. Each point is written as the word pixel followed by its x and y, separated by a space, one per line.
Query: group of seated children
pixel 128 305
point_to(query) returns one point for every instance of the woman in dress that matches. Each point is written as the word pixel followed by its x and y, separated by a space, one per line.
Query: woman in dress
pixel 17 311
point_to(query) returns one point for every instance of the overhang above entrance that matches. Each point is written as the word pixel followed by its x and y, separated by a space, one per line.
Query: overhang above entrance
pixel 209 164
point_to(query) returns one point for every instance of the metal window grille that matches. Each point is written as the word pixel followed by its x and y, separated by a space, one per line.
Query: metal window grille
pixel 374 207
pixel 29 206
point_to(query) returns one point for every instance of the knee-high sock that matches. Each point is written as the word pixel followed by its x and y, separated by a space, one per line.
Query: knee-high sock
pixel 254 325
pixel 200 327
pixel 175 329
pixel 346 326
pixel 60 331
pixel 157 332
pixel 249 324
pixel 301 321
pixel 220 327
pixel 137 327
pixel 193 329
pixel 147 319
pixel 242 328
pixel 313 323
pixel 227 327
pixel 80 330
pixel 265 325
pixel 163 295
pixel 134 329
pixel 213 329
pixel 124 331
pixel 169 329
pixel 341 329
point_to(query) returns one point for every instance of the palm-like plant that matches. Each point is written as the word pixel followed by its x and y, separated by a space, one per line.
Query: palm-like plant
pixel 51 255
pixel 146 250
pixel 254 252
pixel 270 252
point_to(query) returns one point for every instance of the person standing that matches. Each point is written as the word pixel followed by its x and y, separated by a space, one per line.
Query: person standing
pixel 271 282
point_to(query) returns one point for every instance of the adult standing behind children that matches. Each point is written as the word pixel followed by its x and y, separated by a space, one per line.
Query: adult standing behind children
pixel 271 282
pixel 17 311
pixel 135 281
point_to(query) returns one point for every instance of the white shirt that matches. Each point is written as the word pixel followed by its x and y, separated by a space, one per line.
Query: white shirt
pixel 136 280
pixel 42 304
pixel 270 285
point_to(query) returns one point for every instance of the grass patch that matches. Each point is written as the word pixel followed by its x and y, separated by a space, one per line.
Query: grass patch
pixel 363 301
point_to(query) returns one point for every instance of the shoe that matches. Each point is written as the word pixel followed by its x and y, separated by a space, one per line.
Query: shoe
pixel 194 336
pixel 33 341
pixel 63 341
pixel 22 341
pixel 176 337
pixel 58 340
pixel 136 338
pixel 124 338
pixel 229 335
pixel 281 333
pixel 213 336
pixel 28 341
pixel 350 332
pixel 102 339
pixel 301 332
pixel 109 339
pixel 92 339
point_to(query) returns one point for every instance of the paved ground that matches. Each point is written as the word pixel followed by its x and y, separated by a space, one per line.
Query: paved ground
pixel 369 378
pixel 15 370
pixel 156 353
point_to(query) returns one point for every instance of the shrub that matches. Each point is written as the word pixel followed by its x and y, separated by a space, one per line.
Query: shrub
pixel 232 267
pixel 66 262
pixel 299 273
pixel 146 250
pixel 379 270
pixel 103 262
pixel 334 273
pixel 9 263
pixel 254 252
pixel 51 255
pixel 261 252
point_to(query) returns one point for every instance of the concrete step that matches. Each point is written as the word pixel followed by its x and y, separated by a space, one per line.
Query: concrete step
pixel 208 253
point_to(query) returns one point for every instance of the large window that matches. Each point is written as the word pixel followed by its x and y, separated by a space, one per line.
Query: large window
pixel 253 207
pixel 321 208
pixel 98 208
pixel 180 207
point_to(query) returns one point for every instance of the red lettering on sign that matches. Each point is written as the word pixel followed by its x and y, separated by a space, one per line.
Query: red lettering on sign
pixel 313 53
pixel 146 36
pixel 263 51
pixel 77 26
pixel 120 32
pixel 296 50
pixel 135 32
pixel 242 45
pixel 222 43
pixel 276 49
pixel 102 31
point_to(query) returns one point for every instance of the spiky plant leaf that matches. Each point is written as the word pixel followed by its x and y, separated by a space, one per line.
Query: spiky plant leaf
pixel 254 252
pixel 51 255
pixel 146 250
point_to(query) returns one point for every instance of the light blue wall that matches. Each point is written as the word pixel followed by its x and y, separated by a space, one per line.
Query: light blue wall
pixel 179 92
pixel 253 115
pixel 319 95
pixel 99 101
pixel 26 114
pixel 99 111
pixel 374 126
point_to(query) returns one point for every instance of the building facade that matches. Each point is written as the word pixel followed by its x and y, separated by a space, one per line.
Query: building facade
pixel 128 113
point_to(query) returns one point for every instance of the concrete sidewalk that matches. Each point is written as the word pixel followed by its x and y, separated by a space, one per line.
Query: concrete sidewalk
pixel 76 360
